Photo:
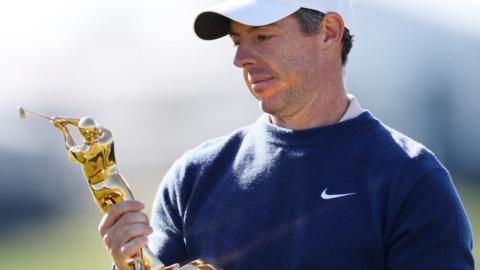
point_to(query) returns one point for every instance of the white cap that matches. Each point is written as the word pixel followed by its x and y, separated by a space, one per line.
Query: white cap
pixel 214 22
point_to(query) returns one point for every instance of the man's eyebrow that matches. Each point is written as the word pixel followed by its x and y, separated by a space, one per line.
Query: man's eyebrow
pixel 253 28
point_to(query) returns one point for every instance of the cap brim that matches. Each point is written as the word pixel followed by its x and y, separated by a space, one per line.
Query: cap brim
pixel 214 22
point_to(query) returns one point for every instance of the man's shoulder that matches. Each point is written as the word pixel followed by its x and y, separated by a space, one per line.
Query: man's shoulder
pixel 396 149
pixel 402 144
pixel 216 146
pixel 210 158
pixel 214 150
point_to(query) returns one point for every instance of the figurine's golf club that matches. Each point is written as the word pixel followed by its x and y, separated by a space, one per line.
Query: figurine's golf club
pixel 22 112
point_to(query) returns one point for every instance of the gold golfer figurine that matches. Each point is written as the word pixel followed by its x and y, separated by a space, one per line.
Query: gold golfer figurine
pixel 97 157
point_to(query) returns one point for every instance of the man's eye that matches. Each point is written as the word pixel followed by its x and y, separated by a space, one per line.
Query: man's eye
pixel 263 37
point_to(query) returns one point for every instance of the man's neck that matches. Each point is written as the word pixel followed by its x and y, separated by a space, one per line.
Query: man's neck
pixel 327 111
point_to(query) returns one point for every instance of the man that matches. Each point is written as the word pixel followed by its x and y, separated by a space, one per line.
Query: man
pixel 315 183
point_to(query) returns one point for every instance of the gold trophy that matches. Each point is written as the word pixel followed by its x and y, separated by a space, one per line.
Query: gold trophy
pixel 97 157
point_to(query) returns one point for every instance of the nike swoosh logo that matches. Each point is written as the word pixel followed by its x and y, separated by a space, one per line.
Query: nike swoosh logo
pixel 326 196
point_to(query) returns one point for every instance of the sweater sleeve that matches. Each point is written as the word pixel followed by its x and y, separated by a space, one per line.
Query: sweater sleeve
pixel 167 240
pixel 432 229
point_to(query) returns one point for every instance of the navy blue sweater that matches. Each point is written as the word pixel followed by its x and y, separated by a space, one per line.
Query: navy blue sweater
pixel 253 200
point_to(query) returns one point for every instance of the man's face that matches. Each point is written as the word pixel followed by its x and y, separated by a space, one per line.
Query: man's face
pixel 282 66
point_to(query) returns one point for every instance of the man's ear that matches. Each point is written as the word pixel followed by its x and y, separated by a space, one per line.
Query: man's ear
pixel 331 28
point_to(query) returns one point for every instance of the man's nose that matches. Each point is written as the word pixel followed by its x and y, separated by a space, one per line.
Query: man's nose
pixel 244 57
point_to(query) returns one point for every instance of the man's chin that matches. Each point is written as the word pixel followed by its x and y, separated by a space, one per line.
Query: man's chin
pixel 269 108
pixel 270 101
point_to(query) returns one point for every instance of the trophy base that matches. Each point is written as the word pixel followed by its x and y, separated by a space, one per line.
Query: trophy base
pixel 194 265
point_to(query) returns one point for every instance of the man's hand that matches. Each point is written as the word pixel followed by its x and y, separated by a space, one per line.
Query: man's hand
pixel 124 230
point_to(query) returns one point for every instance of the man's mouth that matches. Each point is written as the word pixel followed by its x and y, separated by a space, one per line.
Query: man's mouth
pixel 259 82
pixel 259 78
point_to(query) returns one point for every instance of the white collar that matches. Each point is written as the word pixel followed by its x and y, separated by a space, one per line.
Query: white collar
pixel 354 109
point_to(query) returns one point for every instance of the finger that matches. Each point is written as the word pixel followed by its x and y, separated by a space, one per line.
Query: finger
pixel 126 234
pixel 173 267
pixel 132 248
pixel 125 220
pixel 116 211
pixel 202 265
pixel 132 231
pixel 119 265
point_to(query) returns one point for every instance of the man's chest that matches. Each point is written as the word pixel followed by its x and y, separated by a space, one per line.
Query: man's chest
pixel 289 220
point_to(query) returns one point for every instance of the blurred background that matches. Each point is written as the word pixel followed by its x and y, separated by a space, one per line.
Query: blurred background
pixel 138 69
